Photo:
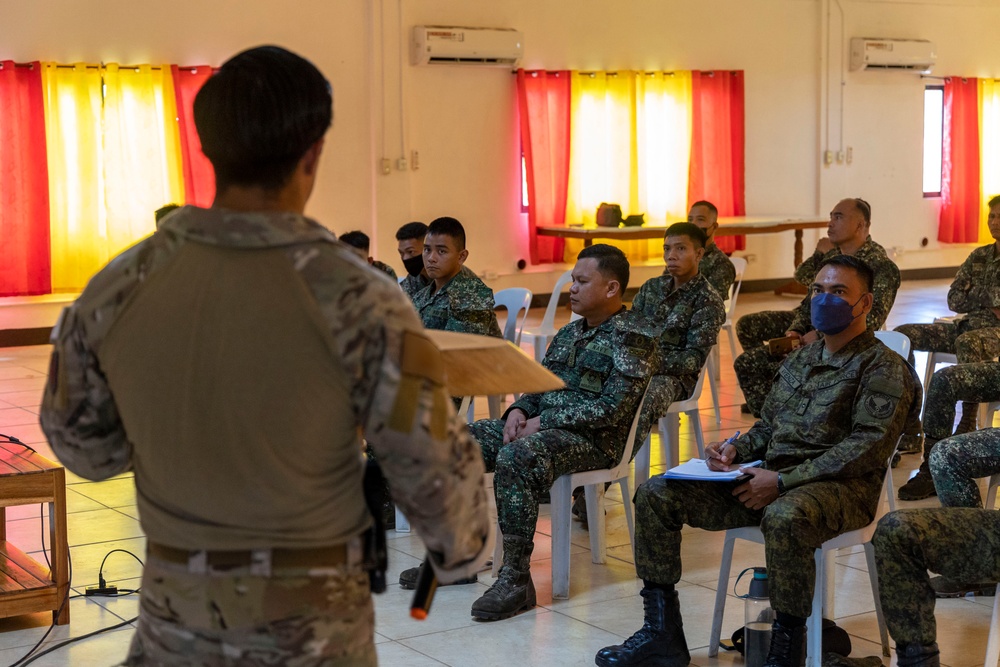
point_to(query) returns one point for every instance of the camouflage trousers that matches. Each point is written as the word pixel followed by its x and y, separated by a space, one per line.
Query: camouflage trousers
pixel 960 543
pixel 956 464
pixel 958 338
pixel 754 328
pixel 794 525
pixel 661 392
pixel 294 618
pixel 755 370
pixel 975 382
pixel 525 469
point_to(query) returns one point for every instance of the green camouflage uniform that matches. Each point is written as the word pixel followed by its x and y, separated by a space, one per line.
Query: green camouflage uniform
pixel 957 462
pixel 464 304
pixel 394 394
pixel 828 426
pixel 975 292
pixel 583 426
pixel 973 383
pixel 386 269
pixel 413 285
pixel 755 368
pixel 688 319
pixel 717 268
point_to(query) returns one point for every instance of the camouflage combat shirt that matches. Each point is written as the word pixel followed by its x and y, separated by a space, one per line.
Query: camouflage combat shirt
pixel 976 289
pixel 884 287
pixel 413 285
pixel 385 268
pixel 233 361
pixel 837 418
pixel 687 318
pixel 464 304
pixel 606 369
pixel 717 268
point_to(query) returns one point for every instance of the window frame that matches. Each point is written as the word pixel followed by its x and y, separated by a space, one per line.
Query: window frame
pixel 940 158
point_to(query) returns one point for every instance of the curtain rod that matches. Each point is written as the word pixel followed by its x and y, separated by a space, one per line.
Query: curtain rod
pixel 190 68
pixel 709 73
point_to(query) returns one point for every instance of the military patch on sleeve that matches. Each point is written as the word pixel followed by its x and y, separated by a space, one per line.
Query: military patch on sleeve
pixel 880 405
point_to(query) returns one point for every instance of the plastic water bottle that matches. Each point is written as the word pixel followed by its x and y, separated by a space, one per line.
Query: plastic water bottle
pixel 757 620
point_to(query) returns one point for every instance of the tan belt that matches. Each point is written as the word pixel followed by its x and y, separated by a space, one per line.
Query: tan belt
pixel 276 558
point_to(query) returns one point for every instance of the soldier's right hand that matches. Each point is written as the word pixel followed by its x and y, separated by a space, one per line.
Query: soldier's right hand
pixel 824 245
pixel 719 456
pixel 516 420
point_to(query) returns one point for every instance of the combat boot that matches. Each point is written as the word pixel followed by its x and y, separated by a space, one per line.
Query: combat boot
pixel 788 646
pixel 967 424
pixel 659 642
pixel 408 578
pixel 513 591
pixel 915 655
pixel 921 485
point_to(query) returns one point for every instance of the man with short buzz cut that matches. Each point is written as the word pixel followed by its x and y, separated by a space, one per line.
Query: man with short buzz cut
pixel 361 245
pixel 848 234
pixel 686 312
pixel 454 300
pixel 410 244
pixel 715 265
pixel 233 360
pixel 605 358
pixel 825 435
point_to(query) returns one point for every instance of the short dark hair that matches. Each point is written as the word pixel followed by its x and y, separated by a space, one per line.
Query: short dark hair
pixel 865 208
pixel 610 262
pixel 690 230
pixel 449 227
pixel 707 204
pixel 863 271
pixel 411 230
pixel 357 240
pixel 993 202
pixel 259 114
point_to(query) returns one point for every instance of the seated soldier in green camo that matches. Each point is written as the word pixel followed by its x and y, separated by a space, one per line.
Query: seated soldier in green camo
pixel 825 434
pixel 454 300
pixel 686 311
pixel 960 540
pixel 361 245
pixel 714 264
pixel 410 245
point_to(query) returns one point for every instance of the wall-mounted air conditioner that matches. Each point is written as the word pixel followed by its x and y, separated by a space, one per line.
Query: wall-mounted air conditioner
pixel 449 45
pixel 910 55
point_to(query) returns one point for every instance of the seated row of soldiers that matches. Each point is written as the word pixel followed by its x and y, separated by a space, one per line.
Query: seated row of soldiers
pixel 822 473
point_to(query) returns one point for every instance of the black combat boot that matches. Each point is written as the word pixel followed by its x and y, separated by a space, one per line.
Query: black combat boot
pixel 659 642
pixel 408 578
pixel 513 591
pixel 967 424
pixel 921 485
pixel 915 655
pixel 788 646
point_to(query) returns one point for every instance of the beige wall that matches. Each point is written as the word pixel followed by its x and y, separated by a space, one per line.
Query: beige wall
pixel 463 120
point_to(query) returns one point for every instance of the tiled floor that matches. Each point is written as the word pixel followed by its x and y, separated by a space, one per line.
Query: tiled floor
pixel 604 606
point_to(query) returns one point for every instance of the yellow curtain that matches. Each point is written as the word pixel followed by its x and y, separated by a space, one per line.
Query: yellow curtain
pixel 989 153
pixel 76 190
pixel 630 145
pixel 114 158
pixel 142 166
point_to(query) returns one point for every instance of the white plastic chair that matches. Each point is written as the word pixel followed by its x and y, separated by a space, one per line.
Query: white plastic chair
pixel 669 426
pixel 740 264
pixel 895 341
pixel 543 334
pixel 822 604
pixel 935 358
pixel 562 500
pixel 517 301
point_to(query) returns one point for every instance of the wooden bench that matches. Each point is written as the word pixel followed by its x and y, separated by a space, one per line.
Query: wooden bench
pixel 27 586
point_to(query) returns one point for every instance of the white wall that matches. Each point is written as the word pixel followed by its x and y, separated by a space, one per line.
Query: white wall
pixel 463 120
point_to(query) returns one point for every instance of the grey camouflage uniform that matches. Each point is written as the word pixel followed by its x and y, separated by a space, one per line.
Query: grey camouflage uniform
pixel 755 368
pixel 413 285
pixel 975 292
pixel 464 304
pixel 718 270
pixel 828 426
pixel 583 426
pixel 688 319
pixel 294 617
pixel 960 541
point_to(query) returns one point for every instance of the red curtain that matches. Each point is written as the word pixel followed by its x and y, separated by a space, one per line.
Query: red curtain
pixel 960 181
pixel 717 147
pixel 199 178
pixel 544 104
pixel 24 182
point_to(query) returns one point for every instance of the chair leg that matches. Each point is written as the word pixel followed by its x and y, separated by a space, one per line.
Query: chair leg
pixel 497 553
pixel 562 498
pixel 670 428
pixel 928 374
pixel 540 342
pixel 991 491
pixel 993 643
pixel 402 523
pixel 699 435
pixel 629 516
pixel 597 522
pixel 714 387
pixel 814 624
pixel 879 615
pixel 494 406
pixel 732 343
pixel 641 462
pixel 725 569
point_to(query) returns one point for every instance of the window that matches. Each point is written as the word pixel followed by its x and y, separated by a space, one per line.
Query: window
pixel 524 184
pixel 933 136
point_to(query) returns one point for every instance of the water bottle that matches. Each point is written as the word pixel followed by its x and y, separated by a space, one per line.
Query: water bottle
pixel 758 617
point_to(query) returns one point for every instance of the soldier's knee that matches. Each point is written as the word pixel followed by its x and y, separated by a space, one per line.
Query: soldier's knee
pixel 654 488
pixel 945 455
pixel 893 529
pixel 780 517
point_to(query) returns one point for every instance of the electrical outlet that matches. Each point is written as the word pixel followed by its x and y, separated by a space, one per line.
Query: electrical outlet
pixel 840 157
pixel 414 160
pixel 828 157
pixel 850 155
pixel 385 166
pixel 401 164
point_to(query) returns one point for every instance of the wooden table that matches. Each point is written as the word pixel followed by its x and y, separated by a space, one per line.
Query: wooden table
pixel 728 226
pixel 26 586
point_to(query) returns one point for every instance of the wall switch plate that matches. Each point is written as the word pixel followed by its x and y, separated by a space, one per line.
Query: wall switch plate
pixel 385 166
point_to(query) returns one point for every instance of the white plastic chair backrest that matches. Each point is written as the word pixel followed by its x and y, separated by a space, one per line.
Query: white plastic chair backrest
pixel 621 470
pixel 517 301
pixel 895 341
pixel 548 320
pixel 740 264
pixel 574 317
